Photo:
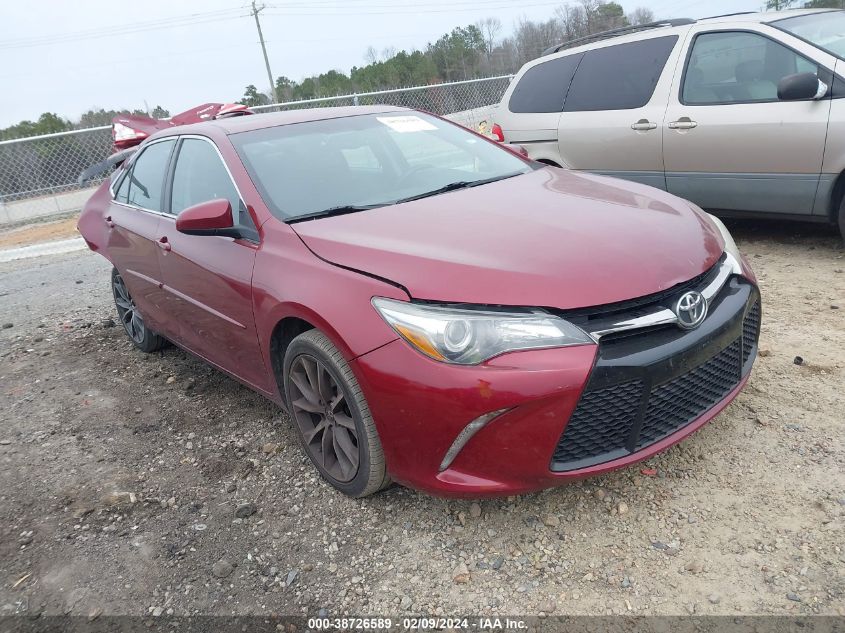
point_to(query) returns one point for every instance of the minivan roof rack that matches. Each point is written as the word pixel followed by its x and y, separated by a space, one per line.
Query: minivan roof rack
pixel 597 37
pixel 728 15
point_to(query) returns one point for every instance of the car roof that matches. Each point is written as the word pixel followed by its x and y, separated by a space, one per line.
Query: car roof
pixel 762 16
pixel 246 123
pixel 667 27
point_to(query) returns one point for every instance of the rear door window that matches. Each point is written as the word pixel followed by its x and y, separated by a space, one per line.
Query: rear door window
pixel 543 87
pixel 146 180
pixel 122 194
pixel 621 77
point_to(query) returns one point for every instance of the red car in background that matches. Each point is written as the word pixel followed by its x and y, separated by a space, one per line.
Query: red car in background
pixel 431 308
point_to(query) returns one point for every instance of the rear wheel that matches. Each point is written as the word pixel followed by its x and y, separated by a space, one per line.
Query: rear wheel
pixel 141 336
pixel 331 416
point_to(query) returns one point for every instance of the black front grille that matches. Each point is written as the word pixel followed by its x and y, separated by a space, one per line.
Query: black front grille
pixel 606 424
pixel 750 331
pixel 680 401
pixel 603 418
pixel 646 388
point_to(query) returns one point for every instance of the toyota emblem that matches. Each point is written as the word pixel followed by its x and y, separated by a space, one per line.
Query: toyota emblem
pixel 691 310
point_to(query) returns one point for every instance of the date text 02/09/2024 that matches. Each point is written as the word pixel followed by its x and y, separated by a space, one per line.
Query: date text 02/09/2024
pixel 416 624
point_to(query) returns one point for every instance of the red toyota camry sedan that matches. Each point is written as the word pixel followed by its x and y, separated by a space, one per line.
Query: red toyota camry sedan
pixel 430 307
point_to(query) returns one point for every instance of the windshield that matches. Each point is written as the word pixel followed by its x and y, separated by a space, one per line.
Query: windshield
pixel 826 30
pixel 358 162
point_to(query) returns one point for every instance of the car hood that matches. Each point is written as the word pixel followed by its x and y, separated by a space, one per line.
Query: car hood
pixel 550 238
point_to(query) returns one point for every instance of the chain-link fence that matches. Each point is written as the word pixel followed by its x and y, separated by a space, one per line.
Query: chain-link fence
pixel 467 102
pixel 38 174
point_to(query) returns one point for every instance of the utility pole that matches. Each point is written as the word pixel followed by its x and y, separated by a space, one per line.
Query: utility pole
pixel 255 11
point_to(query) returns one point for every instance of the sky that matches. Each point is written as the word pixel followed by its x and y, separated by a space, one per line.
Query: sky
pixel 68 57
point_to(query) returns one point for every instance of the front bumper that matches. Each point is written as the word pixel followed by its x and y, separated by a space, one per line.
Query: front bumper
pixel 572 412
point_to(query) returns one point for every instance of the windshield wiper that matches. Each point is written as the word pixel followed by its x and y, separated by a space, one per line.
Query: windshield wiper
pixel 354 208
pixel 333 211
pixel 454 186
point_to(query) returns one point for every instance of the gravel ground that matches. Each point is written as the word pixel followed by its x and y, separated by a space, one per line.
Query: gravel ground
pixel 152 484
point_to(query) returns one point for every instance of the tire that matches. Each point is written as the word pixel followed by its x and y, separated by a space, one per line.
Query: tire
pixel 842 218
pixel 130 317
pixel 331 416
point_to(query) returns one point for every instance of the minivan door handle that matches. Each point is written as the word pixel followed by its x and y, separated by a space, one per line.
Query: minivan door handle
pixel 684 123
pixel 643 125
pixel 163 243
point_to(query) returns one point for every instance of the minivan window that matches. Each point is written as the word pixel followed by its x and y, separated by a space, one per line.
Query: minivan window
pixel 738 67
pixel 620 77
pixel 146 180
pixel 825 30
pixel 543 87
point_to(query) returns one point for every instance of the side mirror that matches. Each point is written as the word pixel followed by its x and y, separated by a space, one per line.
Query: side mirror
pixel 208 218
pixel 801 86
pixel 517 149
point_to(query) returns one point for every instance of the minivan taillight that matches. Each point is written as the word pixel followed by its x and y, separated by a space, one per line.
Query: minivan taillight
pixel 497 133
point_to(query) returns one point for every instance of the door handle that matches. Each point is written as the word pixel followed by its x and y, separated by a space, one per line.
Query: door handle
pixel 163 243
pixel 108 221
pixel 684 123
pixel 643 125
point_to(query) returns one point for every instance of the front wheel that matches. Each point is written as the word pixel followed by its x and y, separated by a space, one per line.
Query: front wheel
pixel 141 336
pixel 331 416
pixel 842 218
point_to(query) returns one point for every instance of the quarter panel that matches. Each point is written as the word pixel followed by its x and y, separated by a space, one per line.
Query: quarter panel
pixel 92 224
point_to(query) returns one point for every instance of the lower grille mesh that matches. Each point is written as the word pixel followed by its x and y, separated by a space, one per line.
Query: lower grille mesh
pixel 750 330
pixel 680 401
pixel 607 420
pixel 602 421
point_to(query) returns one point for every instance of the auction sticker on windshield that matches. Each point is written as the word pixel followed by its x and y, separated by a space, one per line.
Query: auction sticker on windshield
pixel 406 123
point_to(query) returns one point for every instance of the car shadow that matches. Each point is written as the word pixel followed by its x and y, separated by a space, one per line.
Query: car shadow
pixel 783 231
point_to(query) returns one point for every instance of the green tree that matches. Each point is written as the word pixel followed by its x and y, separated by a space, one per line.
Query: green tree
pixel 457 54
pixel 334 83
pixel 96 118
pixel 47 123
pixel 254 98
pixel 285 88
pixel 306 89
pixel 160 113
pixel 825 4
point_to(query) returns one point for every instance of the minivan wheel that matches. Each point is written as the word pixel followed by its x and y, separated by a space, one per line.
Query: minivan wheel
pixel 141 336
pixel 331 416
pixel 842 218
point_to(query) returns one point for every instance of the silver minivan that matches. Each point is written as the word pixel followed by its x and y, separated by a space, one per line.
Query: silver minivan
pixel 739 113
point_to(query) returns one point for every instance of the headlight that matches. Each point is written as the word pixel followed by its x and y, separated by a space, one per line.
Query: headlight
pixel 730 246
pixel 470 336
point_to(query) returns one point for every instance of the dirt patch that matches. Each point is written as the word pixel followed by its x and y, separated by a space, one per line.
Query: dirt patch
pixel 36 233
pixel 119 491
